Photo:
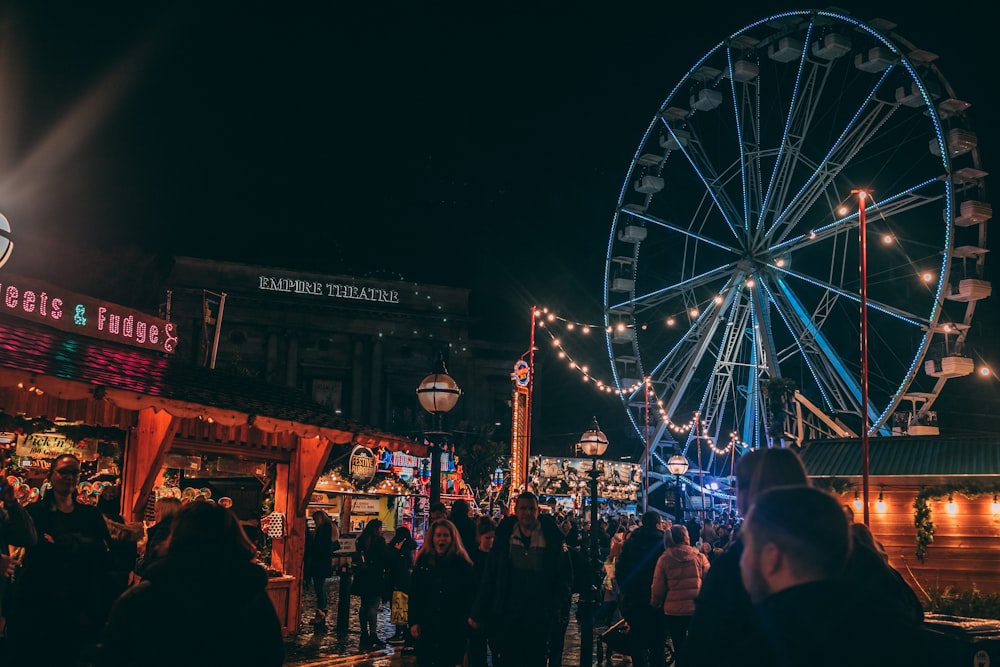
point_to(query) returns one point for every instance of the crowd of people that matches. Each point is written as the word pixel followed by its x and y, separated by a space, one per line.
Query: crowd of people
pixel 798 582
pixel 84 594
pixel 787 579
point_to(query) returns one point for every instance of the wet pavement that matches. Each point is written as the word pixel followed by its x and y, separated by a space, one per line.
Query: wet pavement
pixel 333 647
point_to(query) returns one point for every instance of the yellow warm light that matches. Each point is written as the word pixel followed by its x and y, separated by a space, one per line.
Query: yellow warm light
pixel 984 371
pixel 888 239
pixel 671 321
pixel 843 210
pixel 996 505
pixel 621 326
pixel 927 276
pixel 694 312
pixel 779 262
pixel 857 502
pixel 750 283
pixel 880 504
pixel 951 507
pixel 586 329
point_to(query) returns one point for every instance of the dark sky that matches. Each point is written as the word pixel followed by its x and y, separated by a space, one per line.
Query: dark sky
pixel 469 144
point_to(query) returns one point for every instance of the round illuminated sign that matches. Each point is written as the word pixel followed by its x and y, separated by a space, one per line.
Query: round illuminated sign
pixel 522 373
pixel 361 466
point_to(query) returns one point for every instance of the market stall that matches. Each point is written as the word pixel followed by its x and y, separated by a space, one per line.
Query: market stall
pixel 163 408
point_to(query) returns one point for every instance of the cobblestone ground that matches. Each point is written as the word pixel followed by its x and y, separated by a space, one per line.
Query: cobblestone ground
pixel 332 646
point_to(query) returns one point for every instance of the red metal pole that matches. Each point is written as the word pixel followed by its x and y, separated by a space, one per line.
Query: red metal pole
pixel 645 458
pixel 863 242
pixel 531 392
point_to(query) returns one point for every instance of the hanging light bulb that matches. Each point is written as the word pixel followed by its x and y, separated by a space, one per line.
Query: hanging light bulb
pixel 996 504
pixel 880 504
pixel 951 507
pixel 857 501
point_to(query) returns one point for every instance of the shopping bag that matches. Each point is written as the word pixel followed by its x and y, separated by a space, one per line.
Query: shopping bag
pixel 399 608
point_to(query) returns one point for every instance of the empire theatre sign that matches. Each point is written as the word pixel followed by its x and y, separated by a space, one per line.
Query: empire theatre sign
pixel 332 290
pixel 61 309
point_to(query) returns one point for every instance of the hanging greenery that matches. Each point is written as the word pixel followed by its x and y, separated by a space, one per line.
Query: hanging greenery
pixel 924 524
pixel 922 519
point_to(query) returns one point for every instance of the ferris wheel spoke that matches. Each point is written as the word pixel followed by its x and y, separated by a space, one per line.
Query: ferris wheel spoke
pixel 838 384
pixel 688 233
pixel 858 132
pixel 909 318
pixel 642 302
pixel 705 171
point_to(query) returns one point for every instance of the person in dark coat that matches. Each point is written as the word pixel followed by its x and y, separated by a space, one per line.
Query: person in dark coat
pixel 67 568
pixel 486 530
pixel 441 592
pixel 796 548
pixel 204 604
pixel 123 550
pixel 16 529
pixel 524 599
pixel 371 570
pixel 318 562
pixel 402 550
pixel 634 571
pixel 723 602
pixel 461 516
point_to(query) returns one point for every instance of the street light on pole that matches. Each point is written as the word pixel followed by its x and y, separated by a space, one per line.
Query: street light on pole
pixel 438 393
pixel 678 465
pixel 863 270
pixel 593 443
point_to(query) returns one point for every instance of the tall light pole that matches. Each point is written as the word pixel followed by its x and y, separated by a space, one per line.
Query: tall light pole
pixel 438 393
pixel 678 465
pixel 593 443
pixel 863 243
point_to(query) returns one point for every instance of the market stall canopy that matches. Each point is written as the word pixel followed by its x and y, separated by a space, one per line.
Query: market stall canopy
pixel 64 366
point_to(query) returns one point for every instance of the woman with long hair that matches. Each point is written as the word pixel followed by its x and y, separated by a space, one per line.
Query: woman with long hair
pixel 442 590
pixel 205 600
pixel 319 562
pixel 677 581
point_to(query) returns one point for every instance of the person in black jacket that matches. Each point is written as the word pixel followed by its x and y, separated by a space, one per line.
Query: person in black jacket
pixel 524 599
pixel 634 571
pixel 461 516
pixel 205 603
pixel 796 549
pixel 70 563
pixel 16 529
pixel 318 562
pixel 371 572
pixel 442 588
pixel 402 548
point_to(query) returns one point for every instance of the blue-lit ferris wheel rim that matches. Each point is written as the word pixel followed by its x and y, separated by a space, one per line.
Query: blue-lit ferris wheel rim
pixel 780 288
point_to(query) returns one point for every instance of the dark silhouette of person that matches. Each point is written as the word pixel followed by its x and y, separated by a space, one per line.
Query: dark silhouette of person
pixel 796 546
pixel 441 592
pixel 524 599
pixel 634 571
pixel 64 572
pixel 206 600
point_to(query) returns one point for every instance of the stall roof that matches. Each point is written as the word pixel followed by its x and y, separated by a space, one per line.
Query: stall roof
pixel 903 456
pixel 76 367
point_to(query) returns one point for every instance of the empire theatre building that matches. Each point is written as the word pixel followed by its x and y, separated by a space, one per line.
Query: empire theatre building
pixel 359 346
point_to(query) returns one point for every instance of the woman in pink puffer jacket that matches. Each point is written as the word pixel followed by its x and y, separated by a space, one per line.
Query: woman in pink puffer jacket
pixel 676 582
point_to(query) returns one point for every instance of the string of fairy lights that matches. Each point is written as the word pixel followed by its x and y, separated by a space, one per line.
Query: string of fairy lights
pixel 545 317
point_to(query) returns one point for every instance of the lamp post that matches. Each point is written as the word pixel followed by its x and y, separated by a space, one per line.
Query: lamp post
pixel 863 270
pixel 678 465
pixel 593 443
pixel 438 393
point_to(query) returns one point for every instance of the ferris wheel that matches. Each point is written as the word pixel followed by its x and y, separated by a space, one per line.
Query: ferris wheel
pixel 732 276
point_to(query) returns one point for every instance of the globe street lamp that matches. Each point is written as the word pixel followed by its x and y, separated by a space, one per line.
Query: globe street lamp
pixel 6 242
pixel 678 465
pixel 438 393
pixel 593 443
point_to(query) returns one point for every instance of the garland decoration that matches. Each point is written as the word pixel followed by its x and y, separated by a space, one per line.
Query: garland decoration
pixel 924 524
pixel 922 519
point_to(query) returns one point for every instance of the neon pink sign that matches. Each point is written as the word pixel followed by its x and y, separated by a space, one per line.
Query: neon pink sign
pixel 55 307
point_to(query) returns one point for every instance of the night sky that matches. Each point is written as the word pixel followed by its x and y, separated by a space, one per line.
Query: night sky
pixel 467 144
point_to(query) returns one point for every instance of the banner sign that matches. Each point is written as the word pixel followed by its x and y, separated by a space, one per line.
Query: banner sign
pixel 361 465
pixel 61 309
pixel 331 290
pixel 50 445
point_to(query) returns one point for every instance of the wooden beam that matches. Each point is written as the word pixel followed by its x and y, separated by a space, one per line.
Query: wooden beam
pixel 309 457
pixel 144 456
